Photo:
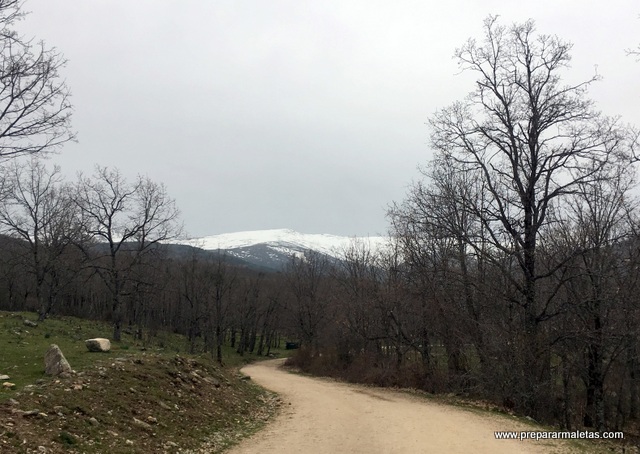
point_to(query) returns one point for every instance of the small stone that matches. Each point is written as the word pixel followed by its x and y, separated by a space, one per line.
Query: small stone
pixel 14 402
pixel 129 442
pixel 94 421
pixel 212 381
pixel 28 322
pixel 141 424
pixel 8 385
pixel 4 377
pixel 152 420
pixel 163 405
pixel 29 413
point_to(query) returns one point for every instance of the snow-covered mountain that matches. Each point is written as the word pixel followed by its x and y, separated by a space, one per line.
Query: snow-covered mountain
pixel 274 248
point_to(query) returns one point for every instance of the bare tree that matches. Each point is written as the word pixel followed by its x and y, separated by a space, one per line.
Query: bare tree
pixel 634 52
pixel 271 315
pixel 125 221
pixel 195 290
pixel 597 225
pixel 37 209
pixel 443 247
pixel 306 279
pixel 533 140
pixel 358 276
pixel 247 312
pixel 224 279
pixel 35 110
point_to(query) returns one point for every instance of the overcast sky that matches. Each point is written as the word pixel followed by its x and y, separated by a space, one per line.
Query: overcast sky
pixel 302 114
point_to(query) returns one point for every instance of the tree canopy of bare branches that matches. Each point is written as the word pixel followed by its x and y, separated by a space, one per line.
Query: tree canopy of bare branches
pixel 35 107
pixel 129 218
pixel 524 166
pixel 36 208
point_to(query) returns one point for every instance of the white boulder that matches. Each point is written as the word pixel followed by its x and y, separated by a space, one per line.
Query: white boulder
pixel 99 344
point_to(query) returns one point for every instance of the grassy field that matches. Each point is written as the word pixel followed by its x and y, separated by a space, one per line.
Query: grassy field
pixel 137 398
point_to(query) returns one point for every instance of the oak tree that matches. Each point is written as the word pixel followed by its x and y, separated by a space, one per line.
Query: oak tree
pixel 124 221
pixel 534 140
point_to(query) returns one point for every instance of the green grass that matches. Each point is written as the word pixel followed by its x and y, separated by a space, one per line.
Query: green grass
pixel 22 354
pixel 23 359
pixel 154 380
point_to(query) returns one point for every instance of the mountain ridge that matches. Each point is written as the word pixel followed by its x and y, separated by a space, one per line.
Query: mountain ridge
pixel 274 248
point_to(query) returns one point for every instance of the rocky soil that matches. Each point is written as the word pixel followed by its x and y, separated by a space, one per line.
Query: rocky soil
pixel 135 403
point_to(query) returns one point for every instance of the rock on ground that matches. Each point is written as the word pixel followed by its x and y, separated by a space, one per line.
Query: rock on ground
pixel 98 344
pixel 54 361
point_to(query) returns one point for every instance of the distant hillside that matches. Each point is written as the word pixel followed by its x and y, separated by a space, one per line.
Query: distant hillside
pixel 272 249
pixel 185 252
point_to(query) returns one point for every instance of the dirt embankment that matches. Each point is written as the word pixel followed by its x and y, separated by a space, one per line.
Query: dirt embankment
pixel 322 416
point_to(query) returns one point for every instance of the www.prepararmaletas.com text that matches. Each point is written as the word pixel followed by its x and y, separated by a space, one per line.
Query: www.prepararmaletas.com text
pixel 553 435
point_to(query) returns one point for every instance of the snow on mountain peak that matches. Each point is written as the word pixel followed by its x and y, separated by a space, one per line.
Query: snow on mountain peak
pixel 328 244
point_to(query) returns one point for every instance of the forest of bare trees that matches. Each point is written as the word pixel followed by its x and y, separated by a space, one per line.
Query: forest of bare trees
pixel 512 272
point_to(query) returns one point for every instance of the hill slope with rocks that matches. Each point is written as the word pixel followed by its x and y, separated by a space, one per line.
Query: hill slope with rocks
pixel 127 400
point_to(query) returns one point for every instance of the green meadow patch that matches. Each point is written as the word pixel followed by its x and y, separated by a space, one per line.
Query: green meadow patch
pixel 138 398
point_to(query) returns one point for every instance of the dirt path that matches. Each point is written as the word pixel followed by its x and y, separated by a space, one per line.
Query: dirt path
pixel 329 417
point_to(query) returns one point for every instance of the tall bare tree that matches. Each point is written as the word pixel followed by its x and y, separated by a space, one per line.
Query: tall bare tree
pixel 306 280
pixel 443 245
pixel 125 221
pixel 358 276
pixel 195 280
pixel 224 279
pixel 36 208
pixel 597 225
pixel 534 139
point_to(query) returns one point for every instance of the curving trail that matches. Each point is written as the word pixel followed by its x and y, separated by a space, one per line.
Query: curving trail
pixel 331 417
